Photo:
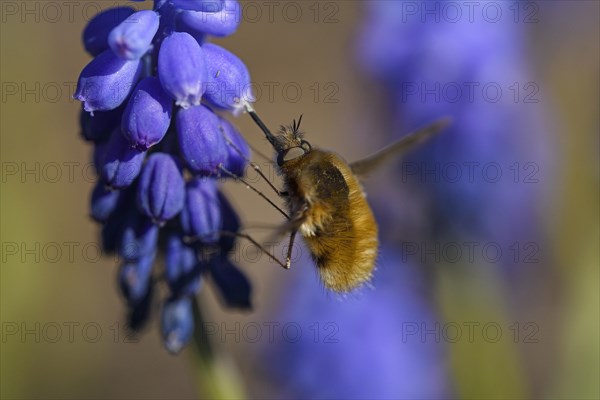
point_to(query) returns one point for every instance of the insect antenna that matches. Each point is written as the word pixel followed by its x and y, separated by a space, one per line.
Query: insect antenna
pixel 296 126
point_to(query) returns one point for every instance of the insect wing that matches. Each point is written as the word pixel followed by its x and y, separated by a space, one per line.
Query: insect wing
pixel 366 165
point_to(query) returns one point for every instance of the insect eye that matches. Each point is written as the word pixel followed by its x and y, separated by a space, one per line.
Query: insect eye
pixel 306 146
pixel 291 154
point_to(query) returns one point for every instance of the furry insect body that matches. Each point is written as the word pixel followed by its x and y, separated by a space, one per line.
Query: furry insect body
pixel 333 217
pixel 327 205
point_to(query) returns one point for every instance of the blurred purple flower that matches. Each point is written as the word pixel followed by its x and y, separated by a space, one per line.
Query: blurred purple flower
pixel 473 174
pixel 98 127
pixel 139 237
pixel 360 347
pixel 428 69
pixel 103 202
pixel 135 277
pixel 182 268
pixel 177 323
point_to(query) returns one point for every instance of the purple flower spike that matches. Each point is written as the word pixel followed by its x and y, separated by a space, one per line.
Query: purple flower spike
pixel 177 323
pixel 207 6
pixel 201 214
pixel 134 279
pixel 106 82
pixel 229 80
pixel 95 34
pixel 182 69
pixel 140 237
pixel 148 114
pixel 238 151
pixel 161 188
pixel 201 140
pixel 182 269
pixel 132 38
pixel 233 285
pixel 122 164
pixel 104 201
pixel 222 23
pixel 149 67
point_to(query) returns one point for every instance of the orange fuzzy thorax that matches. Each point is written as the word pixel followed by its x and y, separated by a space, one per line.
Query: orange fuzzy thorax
pixel 338 224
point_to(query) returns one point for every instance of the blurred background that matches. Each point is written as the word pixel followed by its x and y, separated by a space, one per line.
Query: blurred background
pixel 487 285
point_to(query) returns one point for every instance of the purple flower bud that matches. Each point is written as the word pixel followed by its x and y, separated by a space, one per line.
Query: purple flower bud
pixel 238 151
pixel 229 80
pixel 222 23
pixel 161 188
pixel 139 313
pixel 231 223
pixel 106 82
pixel 168 17
pixel 177 323
pixel 112 230
pixel 199 36
pixel 140 237
pixel 97 127
pixel 95 34
pixel 148 114
pixel 103 202
pixel 182 69
pixel 233 285
pixel 134 279
pixel 201 141
pixel 132 38
pixel 111 233
pixel 182 268
pixel 201 214
pixel 207 6
pixel 122 164
pixel 98 155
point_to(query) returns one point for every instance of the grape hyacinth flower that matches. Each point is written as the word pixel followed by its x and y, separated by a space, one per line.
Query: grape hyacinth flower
pixel 467 186
pixel 381 346
pixel 158 151
pixel 482 61
pixel 360 348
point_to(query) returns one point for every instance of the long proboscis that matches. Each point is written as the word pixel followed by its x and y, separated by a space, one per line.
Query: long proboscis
pixel 270 137
pixel 408 142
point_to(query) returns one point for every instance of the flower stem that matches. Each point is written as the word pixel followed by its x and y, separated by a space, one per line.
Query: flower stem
pixel 217 377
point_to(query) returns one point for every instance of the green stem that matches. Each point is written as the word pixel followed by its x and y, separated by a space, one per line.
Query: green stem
pixel 216 375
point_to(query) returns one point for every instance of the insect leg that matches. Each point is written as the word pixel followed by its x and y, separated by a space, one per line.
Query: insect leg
pixel 253 241
pixel 249 186
pixel 254 165
pixel 288 259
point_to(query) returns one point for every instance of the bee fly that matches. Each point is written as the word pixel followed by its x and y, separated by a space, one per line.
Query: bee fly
pixel 326 204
